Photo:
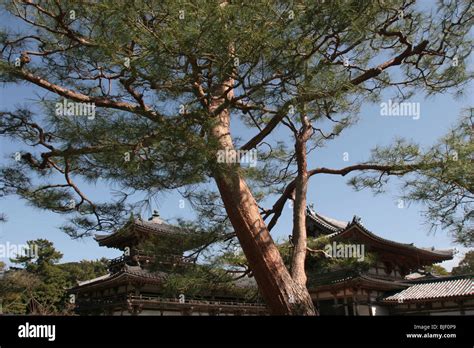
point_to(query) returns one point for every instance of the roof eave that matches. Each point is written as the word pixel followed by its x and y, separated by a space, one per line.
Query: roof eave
pixel 441 256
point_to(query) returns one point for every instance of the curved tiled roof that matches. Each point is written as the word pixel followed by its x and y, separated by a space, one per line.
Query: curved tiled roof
pixel 90 281
pixel 184 238
pixel 346 277
pixel 127 272
pixel 148 226
pixel 337 228
pixel 157 227
pixel 327 223
pixel 435 290
pixel 444 254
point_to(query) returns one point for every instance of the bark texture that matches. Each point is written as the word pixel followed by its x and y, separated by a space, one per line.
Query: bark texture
pixel 281 293
pixel 299 236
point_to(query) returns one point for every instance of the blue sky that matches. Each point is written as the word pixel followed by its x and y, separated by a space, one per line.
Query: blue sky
pixel 330 195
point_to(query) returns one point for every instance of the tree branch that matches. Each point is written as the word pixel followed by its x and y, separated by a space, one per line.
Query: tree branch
pixel 79 97
pixel 371 73
pixel 387 169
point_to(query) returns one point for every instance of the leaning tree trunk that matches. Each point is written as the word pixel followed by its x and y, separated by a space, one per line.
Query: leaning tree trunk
pixel 299 237
pixel 282 295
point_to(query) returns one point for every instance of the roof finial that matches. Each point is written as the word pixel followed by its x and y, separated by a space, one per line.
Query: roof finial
pixel 310 209
pixel 356 219
pixel 155 217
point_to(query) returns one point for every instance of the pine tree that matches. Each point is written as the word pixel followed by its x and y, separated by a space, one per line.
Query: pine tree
pixel 160 83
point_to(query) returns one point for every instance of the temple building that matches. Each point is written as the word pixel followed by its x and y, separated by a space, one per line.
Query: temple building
pixel 134 287
pixel 393 283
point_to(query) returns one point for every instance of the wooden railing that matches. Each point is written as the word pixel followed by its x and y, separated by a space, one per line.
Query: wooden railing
pixel 144 258
pixel 120 299
pixel 195 301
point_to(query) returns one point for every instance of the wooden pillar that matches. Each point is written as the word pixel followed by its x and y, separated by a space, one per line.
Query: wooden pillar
pixel 334 295
pixel 369 303
pixel 354 301
pixel 461 308
pixel 346 309
pixel 317 301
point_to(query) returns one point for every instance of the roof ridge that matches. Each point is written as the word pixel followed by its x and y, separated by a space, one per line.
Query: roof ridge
pixel 446 252
pixel 325 221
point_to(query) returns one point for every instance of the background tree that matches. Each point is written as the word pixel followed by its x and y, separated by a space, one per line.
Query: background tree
pixel 40 259
pixel 40 286
pixel 168 78
pixel 436 270
pixel 83 270
pixel 466 266
pixel 17 290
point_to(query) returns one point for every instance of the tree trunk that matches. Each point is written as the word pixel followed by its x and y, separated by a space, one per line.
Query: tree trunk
pixel 299 238
pixel 282 295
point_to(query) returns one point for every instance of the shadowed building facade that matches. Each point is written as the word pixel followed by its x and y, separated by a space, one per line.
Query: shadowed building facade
pixel 135 287
pixel 391 285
